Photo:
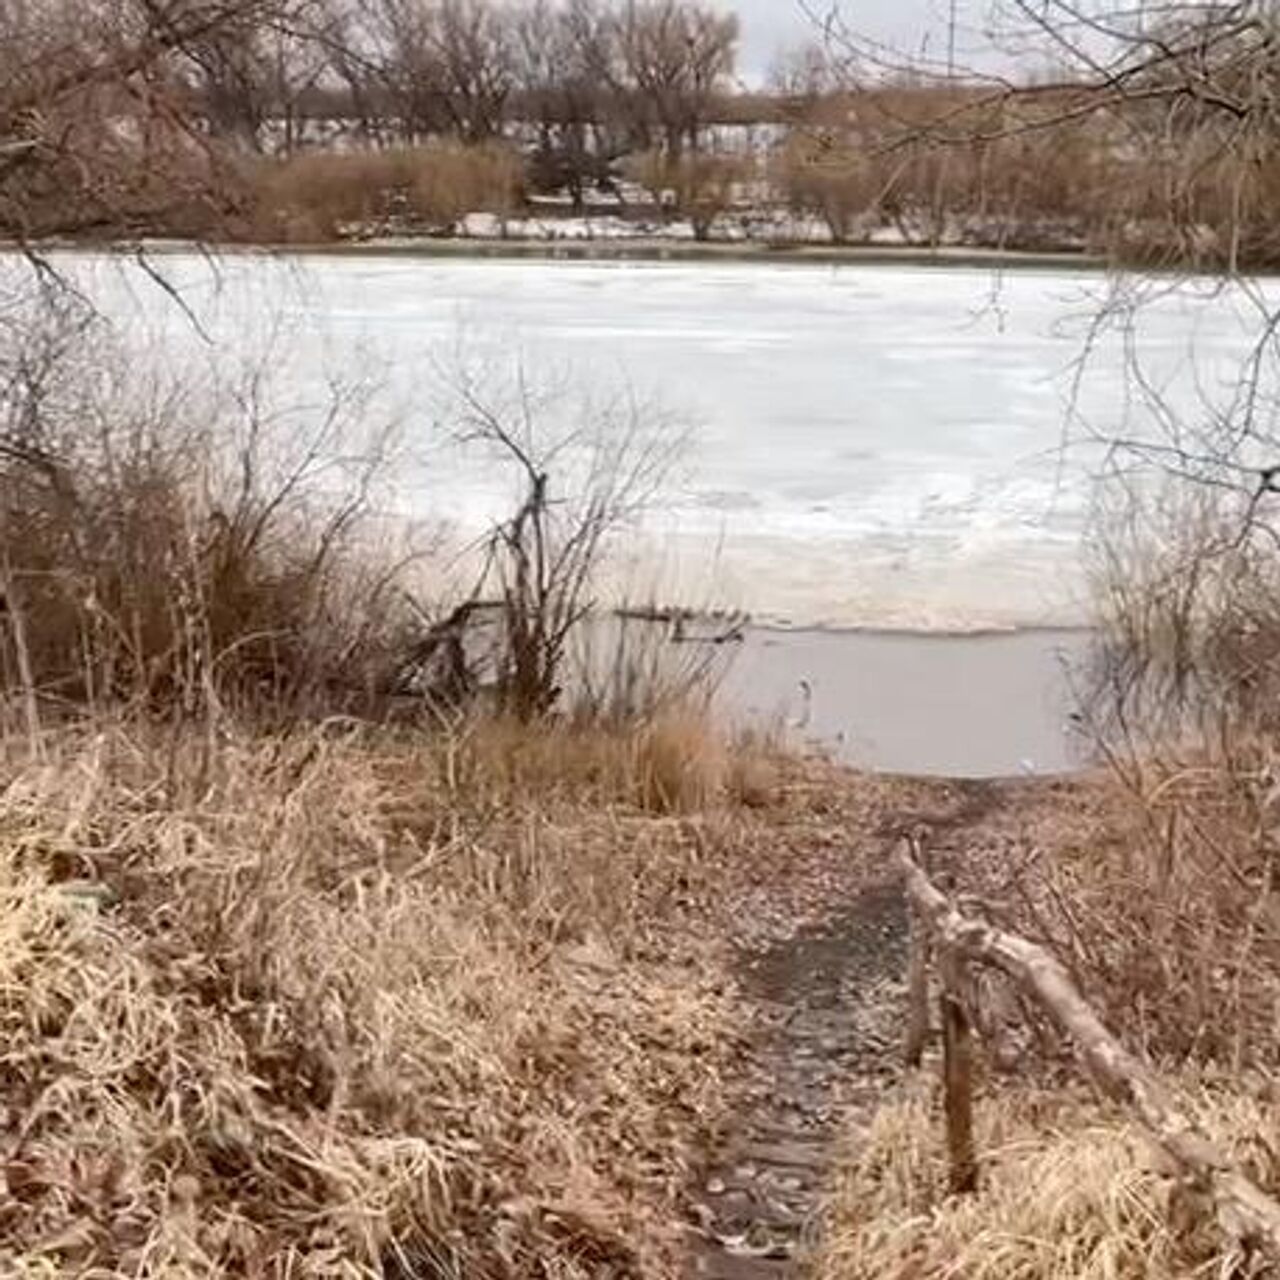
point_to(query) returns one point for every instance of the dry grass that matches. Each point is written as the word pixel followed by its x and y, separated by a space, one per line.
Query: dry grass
pixel 1163 900
pixel 324 195
pixel 288 992
pixel 1069 1191
pixel 1160 898
pixel 1155 883
pixel 353 1004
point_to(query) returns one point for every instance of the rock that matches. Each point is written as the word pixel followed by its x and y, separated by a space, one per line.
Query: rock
pixel 91 895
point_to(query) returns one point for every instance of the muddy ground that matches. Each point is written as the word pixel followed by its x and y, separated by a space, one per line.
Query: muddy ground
pixel 819 955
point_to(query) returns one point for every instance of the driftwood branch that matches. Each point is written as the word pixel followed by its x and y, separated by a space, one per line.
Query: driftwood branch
pixel 1245 1212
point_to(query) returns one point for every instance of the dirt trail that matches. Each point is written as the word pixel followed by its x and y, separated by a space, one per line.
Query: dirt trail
pixel 827 1004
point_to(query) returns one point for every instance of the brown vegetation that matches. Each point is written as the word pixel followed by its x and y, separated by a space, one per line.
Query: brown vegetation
pixel 304 119
pixel 699 185
pixel 1070 1191
pixel 325 195
pixel 168 549
pixel 353 1002
pixel 1151 888
pixel 1248 1218
pixel 291 980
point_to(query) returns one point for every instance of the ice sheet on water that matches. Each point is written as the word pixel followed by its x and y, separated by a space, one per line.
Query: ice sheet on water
pixel 870 444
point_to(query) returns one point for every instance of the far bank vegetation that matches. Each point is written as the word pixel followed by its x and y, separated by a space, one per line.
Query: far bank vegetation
pixel 312 121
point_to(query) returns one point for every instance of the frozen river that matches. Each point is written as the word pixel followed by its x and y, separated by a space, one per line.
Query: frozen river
pixel 873 446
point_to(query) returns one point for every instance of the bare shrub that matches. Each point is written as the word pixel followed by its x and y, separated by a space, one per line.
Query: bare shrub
pixel 707 186
pixel 650 171
pixel 585 468
pixel 699 185
pixel 819 174
pixel 181 550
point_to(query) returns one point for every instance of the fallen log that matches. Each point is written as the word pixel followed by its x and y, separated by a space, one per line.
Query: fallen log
pixel 1245 1212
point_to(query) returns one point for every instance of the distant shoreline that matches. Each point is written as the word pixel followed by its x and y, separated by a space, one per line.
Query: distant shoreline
pixel 612 250
pixel 660 250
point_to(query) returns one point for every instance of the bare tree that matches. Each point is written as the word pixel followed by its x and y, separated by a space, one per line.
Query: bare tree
pixel 1173 105
pixel 474 48
pixel 676 56
pixel 442 66
pixel 402 49
pixel 564 57
pixel 585 468
pixel 101 129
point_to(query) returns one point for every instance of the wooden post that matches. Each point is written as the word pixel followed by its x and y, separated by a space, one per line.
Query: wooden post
pixel 957 1069
pixel 917 988
pixel 22 653
pixel 1247 1215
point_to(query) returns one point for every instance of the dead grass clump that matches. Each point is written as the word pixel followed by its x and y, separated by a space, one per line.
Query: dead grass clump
pixel 674 762
pixel 680 766
pixel 1167 911
pixel 448 180
pixel 302 1007
pixel 318 195
pixel 330 195
pixel 1068 1190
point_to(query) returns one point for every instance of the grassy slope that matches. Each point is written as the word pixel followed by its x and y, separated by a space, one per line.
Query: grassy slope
pixel 368 1003
pixel 336 1004
pixel 1070 1188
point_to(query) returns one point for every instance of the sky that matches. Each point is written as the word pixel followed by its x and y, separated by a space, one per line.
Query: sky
pixel 767 27
pixel 909 26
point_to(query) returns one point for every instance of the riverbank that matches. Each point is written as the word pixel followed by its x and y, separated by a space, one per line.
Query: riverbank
pixel 614 249
pixel 410 1004
pixel 672 250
